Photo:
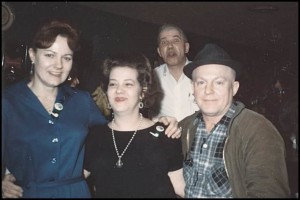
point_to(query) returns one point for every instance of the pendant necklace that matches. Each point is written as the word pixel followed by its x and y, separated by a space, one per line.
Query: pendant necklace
pixel 119 163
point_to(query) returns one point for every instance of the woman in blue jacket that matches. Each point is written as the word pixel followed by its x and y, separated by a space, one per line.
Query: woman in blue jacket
pixel 45 122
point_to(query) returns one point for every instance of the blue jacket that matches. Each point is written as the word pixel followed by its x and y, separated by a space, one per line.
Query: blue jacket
pixel 45 153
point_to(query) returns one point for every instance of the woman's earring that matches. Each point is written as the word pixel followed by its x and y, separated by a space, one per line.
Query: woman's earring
pixel 108 106
pixel 69 78
pixel 31 68
pixel 141 104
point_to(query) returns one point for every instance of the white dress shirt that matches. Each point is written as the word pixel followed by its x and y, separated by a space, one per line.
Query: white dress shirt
pixel 178 100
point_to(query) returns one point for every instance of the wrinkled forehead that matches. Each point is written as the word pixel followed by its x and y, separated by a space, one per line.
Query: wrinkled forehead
pixel 169 32
pixel 213 70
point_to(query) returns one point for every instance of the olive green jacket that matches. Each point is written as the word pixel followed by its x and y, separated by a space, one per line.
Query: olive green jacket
pixel 254 154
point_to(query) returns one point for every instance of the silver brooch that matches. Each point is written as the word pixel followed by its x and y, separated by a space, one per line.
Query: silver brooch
pixel 160 128
pixel 54 114
pixel 154 134
pixel 57 108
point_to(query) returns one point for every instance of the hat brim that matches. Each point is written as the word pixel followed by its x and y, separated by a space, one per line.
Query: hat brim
pixel 189 68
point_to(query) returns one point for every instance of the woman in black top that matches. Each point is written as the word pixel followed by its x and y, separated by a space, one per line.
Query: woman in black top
pixel 131 156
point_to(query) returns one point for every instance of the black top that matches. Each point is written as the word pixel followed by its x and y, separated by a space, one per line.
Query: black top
pixel 146 162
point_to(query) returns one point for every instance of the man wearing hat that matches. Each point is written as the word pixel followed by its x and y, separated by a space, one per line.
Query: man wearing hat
pixel 230 151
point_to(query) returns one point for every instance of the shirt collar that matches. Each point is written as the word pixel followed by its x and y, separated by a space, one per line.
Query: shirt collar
pixel 166 69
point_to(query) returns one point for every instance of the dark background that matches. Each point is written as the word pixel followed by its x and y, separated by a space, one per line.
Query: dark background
pixel 264 55
pixel 262 36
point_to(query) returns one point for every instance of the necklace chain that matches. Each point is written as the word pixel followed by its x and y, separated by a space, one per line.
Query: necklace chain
pixel 119 163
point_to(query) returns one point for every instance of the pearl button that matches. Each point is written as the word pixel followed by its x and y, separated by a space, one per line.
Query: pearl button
pixel 50 122
pixel 53 160
pixel 55 140
pixel 205 146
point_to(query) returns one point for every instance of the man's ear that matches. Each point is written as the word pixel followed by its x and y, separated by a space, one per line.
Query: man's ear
pixel 235 86
pixel 158 51
pixel 186 47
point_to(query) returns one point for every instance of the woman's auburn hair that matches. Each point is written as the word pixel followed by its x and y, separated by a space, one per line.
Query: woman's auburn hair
pixel 47 33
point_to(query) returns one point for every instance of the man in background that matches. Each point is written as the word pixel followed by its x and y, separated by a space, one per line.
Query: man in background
pixel 173 46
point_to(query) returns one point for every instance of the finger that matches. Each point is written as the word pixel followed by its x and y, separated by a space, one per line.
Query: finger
pixel 17 189
pixel 173 124
pixel 14 196
pixel 9 189
pixel 11 178
pixel 11 195
pixel 177 134
pixel 8 183
pixel 12 191
pixel 164 120
pixel 171 130
pixel 168 130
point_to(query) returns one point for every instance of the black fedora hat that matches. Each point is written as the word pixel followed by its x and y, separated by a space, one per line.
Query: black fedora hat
pixel 212 54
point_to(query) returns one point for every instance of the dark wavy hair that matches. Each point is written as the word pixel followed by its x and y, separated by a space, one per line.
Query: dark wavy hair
pixel 151 90
pixel 49 30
